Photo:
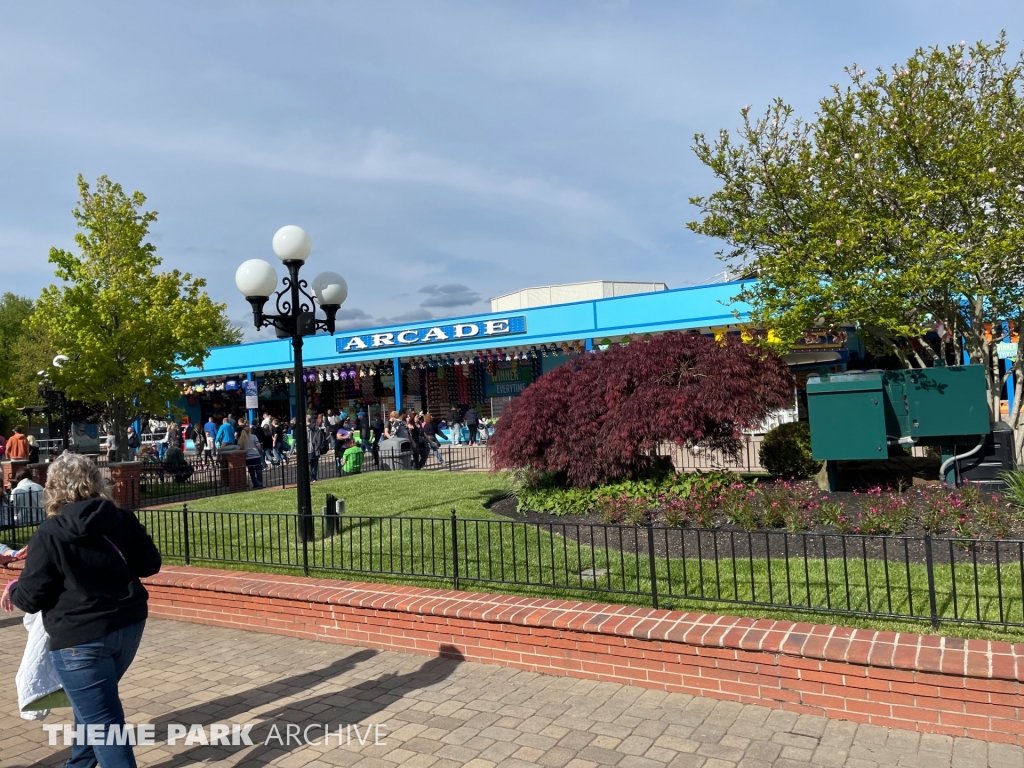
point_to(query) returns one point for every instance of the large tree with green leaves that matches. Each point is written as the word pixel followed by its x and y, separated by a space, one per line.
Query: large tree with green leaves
pixel 898 207
pixel 14 311
pixel 126 328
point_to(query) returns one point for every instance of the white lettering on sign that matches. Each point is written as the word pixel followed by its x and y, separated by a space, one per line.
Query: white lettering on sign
pixel 432 334
pixel 492 327
pixel 514 388
pixel 435 334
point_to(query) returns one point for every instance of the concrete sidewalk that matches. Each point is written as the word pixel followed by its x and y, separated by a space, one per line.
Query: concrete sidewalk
pixel 441 713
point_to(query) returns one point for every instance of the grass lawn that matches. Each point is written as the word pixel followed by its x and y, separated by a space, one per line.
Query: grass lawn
pixel 397 529
pixel 379 494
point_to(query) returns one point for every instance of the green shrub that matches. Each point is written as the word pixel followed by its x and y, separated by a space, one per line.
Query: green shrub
pixel 1014 480
pixel 786 451
pixel 555 501
pixel 547 494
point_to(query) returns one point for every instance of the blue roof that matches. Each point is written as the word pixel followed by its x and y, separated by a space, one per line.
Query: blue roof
pixel 678 309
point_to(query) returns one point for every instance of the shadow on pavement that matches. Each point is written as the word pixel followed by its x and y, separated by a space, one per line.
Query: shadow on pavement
pixel 229 708
pixel 335 708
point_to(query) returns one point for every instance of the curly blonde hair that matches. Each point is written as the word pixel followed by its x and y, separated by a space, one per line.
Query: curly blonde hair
pixel 72 478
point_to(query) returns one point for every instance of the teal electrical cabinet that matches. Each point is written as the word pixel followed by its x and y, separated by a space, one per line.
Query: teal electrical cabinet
pixel 940 403
pixel 856 416
pixel 847 416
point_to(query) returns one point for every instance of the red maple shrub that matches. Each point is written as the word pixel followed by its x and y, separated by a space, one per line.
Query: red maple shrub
pixel 600 418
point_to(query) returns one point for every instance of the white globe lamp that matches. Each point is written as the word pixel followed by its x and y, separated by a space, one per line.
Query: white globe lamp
pixel 291 243
pixel 256 278
pixel 330 289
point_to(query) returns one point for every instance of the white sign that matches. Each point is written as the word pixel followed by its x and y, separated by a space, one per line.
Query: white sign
pixel 252 396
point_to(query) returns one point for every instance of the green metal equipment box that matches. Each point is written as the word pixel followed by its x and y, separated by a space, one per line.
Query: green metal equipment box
pixel 847 416
pixel 939 403
pixel 856 416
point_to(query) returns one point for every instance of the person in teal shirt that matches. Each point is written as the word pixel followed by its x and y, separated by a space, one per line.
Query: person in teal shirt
pixel 226 434
pixel 352 459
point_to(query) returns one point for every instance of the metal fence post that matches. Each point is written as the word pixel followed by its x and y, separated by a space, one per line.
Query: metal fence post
pixel 305 544
pixel 932 602
pixel 653 564
pixel 184 528
pixel 455 549
pixel 331 523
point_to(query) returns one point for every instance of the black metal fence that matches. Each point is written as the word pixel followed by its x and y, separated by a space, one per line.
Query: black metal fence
pixel 935 580
pixel 21 512
pixel 164 482
pixel 698 459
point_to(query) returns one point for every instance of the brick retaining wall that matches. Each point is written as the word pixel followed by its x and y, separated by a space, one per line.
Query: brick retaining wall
pixel 925 683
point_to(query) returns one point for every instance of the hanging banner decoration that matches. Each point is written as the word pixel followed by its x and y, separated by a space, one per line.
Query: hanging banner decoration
pixel 252 396
pixel 1007 350
pixel 411 337
pixel 507 380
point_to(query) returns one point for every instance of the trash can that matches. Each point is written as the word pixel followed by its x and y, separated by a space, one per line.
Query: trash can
pixel 395 453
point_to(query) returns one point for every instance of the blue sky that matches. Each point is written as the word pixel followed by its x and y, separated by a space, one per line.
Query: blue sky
pixel 438 154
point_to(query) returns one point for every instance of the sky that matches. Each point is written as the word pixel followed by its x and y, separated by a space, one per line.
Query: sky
pixel 438 154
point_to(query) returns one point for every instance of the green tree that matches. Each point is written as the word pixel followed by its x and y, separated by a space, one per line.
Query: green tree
pixel 126 328
pixel 14 311
pixel 899 206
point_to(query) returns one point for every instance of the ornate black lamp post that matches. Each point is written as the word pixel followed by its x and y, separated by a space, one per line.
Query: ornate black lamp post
pixel 56 402
pixel 295 318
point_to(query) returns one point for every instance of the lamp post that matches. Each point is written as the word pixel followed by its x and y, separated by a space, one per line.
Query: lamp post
pixel 295 318
pixel 56 400
pixel 58 362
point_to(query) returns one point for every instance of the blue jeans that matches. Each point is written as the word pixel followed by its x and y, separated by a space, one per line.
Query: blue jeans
pixel 90 673
pixel 255 467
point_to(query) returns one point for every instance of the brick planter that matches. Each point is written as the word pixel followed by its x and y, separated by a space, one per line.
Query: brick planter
pixel 37 473
pixel 125 484
pixel 232 470
pixel 10 468
pixel 924 683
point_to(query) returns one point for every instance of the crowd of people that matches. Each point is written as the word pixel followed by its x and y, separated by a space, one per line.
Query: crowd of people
pixel 348 436
pixel 269 442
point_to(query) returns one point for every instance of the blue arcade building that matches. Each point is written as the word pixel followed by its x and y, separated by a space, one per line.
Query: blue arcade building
pixel 483 359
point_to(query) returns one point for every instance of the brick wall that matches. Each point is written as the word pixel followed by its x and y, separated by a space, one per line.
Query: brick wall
pixel 925 683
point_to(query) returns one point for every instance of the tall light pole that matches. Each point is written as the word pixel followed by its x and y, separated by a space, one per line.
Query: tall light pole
pixel 295 318
pixel 65 428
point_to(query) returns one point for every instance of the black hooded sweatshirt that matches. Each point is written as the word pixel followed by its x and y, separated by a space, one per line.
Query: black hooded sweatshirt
pixel 82 571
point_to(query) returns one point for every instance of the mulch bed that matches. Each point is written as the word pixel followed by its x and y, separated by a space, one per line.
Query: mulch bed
pixel 733 541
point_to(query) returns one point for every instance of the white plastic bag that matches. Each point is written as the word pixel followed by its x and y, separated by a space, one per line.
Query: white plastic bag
pixel 37 677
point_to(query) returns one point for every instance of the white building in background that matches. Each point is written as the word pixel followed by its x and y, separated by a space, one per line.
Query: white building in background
pixel 569 292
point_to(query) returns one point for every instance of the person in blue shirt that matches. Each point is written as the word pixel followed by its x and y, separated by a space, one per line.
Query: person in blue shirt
pixel 226 434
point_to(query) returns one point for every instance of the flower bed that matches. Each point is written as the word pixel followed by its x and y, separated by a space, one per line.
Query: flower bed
pixel 722 500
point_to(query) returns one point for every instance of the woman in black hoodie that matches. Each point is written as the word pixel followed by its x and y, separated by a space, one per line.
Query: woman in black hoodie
pixel 82 571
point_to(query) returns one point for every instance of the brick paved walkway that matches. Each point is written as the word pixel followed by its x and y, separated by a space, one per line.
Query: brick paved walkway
pixel 442 713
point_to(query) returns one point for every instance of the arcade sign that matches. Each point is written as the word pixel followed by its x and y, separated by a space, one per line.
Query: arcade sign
pixel 412 337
